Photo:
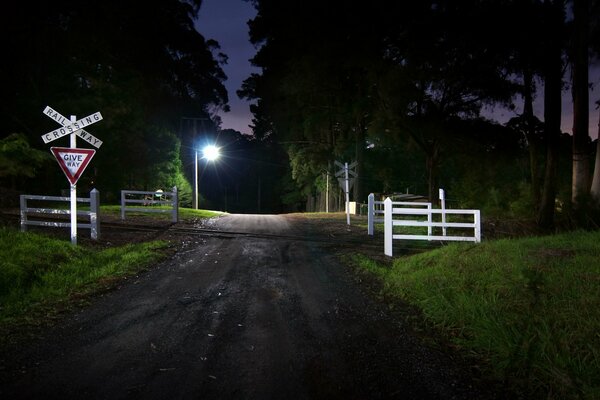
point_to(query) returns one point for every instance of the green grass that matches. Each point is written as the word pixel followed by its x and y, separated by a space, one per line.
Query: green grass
pixel 184 213
pixel 530 308
pixel 37 272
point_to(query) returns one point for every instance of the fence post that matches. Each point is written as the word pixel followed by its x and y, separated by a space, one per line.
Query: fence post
pixel 477 222
pixel 370 213
pixel 122 205
pixel 23 201
pixel 388 227
pixel 429 220
pixel 175 205
pixel 443 203
pixel 95 214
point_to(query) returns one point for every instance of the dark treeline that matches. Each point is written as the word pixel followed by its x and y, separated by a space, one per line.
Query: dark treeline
pixel 158 84
pixel 397 86
pixel 400 87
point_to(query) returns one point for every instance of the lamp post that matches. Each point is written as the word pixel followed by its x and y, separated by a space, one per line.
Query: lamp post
pixel 210 153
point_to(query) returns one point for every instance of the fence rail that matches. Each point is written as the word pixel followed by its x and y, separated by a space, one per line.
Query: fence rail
pixel 173 201
pixel 27 212
pixel 389 222
pixel 375 209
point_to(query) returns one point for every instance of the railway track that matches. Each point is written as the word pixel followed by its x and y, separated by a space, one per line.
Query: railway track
pixel 367 243
pixel 371 244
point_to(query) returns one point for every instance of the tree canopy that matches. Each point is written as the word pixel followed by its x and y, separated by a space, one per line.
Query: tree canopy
pixel 144 66
pixel 377 81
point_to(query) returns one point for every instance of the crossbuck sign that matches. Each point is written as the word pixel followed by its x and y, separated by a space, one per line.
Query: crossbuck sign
pixel 69 127
pixel 72 160
pixel 346 182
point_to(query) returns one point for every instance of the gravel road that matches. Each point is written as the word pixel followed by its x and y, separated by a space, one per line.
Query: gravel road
pixel 246 317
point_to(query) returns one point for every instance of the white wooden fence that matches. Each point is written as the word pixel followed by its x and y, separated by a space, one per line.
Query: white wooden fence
pixel 375 211
pixel 389 222
pixel 148 199
pixel 27 211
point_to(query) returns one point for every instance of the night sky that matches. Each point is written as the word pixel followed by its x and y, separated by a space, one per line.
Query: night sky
pixel 226 22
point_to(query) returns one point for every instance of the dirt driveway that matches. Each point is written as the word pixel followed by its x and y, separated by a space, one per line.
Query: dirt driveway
pixel 271 314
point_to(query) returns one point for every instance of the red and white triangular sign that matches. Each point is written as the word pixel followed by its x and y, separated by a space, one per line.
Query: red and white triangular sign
pixel 72 161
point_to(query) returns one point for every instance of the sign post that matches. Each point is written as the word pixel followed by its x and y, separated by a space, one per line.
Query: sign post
pixel 346 182
pixel 72 160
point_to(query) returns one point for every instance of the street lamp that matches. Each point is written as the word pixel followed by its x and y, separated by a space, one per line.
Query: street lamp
pixel 210 153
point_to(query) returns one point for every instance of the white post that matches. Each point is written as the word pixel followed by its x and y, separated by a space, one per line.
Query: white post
pixel 443 203
pixel 73 193
pixel 477 221
pixel 388 227
pixel 371 214
pixel 327 193
pixel 175 204
pixel 23 201
pixel 195 179
pixel 94 214
pixel 347 193
pixel 429 220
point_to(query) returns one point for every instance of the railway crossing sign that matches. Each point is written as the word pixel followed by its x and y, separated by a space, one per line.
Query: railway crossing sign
pixel 341 175
pixel 72 161
pixel 346 182
pixel 69 127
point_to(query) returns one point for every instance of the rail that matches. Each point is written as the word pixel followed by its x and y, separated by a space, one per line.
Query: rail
pixel 389 222
pixel 173 201
pixel 27 212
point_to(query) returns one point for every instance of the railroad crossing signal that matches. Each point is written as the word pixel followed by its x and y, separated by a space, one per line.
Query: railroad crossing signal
pixel 72 160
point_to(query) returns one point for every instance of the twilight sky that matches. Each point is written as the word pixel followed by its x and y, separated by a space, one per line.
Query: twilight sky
pixel 226 22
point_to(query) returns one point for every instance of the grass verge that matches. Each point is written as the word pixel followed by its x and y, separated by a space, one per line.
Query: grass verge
pixel 530 308
pixel 38 273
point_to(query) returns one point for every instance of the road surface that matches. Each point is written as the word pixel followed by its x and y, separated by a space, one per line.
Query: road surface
pixel 246 317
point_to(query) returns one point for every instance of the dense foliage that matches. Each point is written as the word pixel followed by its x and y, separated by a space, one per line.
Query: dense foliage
pixel 143 66
pixel 400 87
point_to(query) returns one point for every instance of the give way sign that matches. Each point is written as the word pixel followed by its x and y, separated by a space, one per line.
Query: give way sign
pixel 72 161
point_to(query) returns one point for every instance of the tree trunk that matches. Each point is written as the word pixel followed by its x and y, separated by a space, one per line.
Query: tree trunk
pixel 531 135
pixel 431 161
pixel 595 191
pixel 360 159
pixel 552 111
pixel 581 158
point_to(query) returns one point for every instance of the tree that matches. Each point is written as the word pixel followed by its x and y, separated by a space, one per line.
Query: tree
pixel 554 17
pixel 438 69
pixel 595 47
pixel 18 160
pixel 314 88
pixel 595 189
pixel 143 67
pixel 581 139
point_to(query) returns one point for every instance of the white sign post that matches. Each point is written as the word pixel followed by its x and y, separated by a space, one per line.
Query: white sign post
pixel 72 160
pixel 346 182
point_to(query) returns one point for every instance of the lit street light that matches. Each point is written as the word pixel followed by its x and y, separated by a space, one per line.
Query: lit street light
pixel 210 153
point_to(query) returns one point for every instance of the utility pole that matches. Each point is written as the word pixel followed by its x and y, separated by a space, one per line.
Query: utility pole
pixel 194 146
pixel 327 193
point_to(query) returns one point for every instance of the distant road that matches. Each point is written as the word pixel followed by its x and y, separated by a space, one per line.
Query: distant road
pixel 239 318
